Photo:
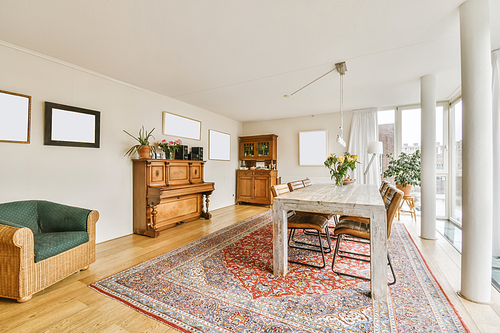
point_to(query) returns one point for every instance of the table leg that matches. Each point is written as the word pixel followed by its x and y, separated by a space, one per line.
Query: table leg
pixel 378 256
pixel 280 246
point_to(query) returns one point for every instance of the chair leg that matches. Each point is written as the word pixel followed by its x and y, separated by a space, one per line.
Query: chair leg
pixel 392 269
pixel 320 246
pixel 310 232
pixel 336 253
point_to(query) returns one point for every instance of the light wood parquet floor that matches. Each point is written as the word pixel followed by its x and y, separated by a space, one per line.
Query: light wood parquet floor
pixel 70 306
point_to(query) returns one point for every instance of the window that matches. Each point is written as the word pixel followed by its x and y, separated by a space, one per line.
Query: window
pixel 386 134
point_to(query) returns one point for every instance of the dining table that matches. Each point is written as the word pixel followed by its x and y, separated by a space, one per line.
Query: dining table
pixel 362 200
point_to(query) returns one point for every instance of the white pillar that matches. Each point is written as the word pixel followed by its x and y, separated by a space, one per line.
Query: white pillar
pixel 428 156
pixel 477 164
pixel 495 59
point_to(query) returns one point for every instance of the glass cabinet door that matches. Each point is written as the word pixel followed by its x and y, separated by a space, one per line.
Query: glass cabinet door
pixel 263 149
pixel 248 150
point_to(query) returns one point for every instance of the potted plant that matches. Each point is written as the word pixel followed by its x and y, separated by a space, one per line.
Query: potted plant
pixel 143 148
pixel 405 170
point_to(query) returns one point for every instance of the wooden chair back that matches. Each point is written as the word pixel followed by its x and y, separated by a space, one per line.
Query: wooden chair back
pixel 385 190
pixel 295 185
pixel 279 189
pixel 307 182
pixel 392 202
pixel 383 185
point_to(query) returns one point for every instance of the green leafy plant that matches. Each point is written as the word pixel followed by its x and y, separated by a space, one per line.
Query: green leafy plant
pixel 405 169
pixel 143 139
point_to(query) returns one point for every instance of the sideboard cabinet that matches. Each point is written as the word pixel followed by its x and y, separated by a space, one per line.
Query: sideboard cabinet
pixel 168 192
pixel 254 186
pixel 258 155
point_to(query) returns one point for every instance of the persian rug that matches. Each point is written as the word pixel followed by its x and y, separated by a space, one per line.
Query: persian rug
pixel 224 283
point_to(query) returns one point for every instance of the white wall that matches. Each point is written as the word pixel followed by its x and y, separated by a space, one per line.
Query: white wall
pixel 288 142
pixel 99 179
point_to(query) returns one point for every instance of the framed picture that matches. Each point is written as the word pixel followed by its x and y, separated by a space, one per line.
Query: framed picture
pixel 313 148
pixel 15 117
pixel 181 126
pixel 71 126
pixel 219 145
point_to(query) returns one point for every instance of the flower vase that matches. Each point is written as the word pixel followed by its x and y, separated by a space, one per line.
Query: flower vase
pixel 339 180
pixel 170 155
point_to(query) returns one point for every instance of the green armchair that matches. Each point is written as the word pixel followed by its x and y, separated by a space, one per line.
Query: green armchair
pixel 41 243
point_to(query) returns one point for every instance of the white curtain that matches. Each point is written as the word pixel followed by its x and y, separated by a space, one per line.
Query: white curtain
pixel 495 59
pixel 364 129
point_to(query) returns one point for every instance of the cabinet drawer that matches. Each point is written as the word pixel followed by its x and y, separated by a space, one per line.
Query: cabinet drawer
pixel 177 173
pixel 156 174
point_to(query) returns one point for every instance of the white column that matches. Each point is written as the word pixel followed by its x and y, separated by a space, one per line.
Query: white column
pixel 495 59
pixel 428 156
pixel 477 150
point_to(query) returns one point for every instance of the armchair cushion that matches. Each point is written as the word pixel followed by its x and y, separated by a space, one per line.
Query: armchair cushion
pixel 49 244
pixel 11 224
pixel 23 213
pixel 54 217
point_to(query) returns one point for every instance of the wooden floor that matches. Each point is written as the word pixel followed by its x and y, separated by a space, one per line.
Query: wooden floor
pixel 71 306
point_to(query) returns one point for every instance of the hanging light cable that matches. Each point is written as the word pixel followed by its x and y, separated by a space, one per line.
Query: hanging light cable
pixel 340 67
pixel 340 138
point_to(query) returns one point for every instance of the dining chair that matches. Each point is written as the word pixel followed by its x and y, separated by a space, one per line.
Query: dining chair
pixel 383 185
pixel 361 230
pixel 383 193
pixel 307 182
pixel 306 221
pixel 298 184
pixel 295 185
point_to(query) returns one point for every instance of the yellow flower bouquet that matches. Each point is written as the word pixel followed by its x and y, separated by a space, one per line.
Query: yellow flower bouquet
pixel 339 165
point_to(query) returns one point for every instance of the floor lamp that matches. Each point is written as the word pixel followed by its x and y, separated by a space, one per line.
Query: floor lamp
pixel 374 147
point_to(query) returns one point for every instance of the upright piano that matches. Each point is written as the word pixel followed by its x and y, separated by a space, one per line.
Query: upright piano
pixel 168 192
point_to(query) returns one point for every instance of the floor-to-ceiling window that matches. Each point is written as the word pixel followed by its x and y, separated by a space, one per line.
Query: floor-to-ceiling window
pixel 456 162
pixel 400 130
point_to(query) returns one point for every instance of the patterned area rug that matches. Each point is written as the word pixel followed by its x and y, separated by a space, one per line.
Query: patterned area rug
pixel 224 283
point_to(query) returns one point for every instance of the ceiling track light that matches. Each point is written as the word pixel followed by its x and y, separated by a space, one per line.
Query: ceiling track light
pixel 340 67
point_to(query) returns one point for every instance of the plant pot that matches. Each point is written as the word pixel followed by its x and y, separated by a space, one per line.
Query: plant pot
pixel 144 152
pixel 406 190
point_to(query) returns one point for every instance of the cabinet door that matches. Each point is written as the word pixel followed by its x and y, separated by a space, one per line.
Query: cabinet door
pixel 245 188
pixel 180 209
pixel 263 149
pixel 262 189
pixel 195 173
pixel 247 151
pixel 156 174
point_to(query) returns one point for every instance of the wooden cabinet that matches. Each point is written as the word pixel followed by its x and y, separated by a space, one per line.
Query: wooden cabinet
pixel 254 186
pixel 167 192
pixel 258 148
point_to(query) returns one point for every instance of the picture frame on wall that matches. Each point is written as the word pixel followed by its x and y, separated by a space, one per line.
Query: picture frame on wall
pixel 71 126
pixel 219 145
pixel 180 126
pixel 313 148
pixel 15 117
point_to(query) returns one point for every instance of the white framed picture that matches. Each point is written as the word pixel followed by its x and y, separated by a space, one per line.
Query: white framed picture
pixel 313 147
pixel 219 145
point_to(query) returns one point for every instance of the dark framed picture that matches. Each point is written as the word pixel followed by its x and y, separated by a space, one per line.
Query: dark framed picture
pixel 71 126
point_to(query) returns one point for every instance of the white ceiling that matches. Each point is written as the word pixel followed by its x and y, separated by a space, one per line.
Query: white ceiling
pixel 239 57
